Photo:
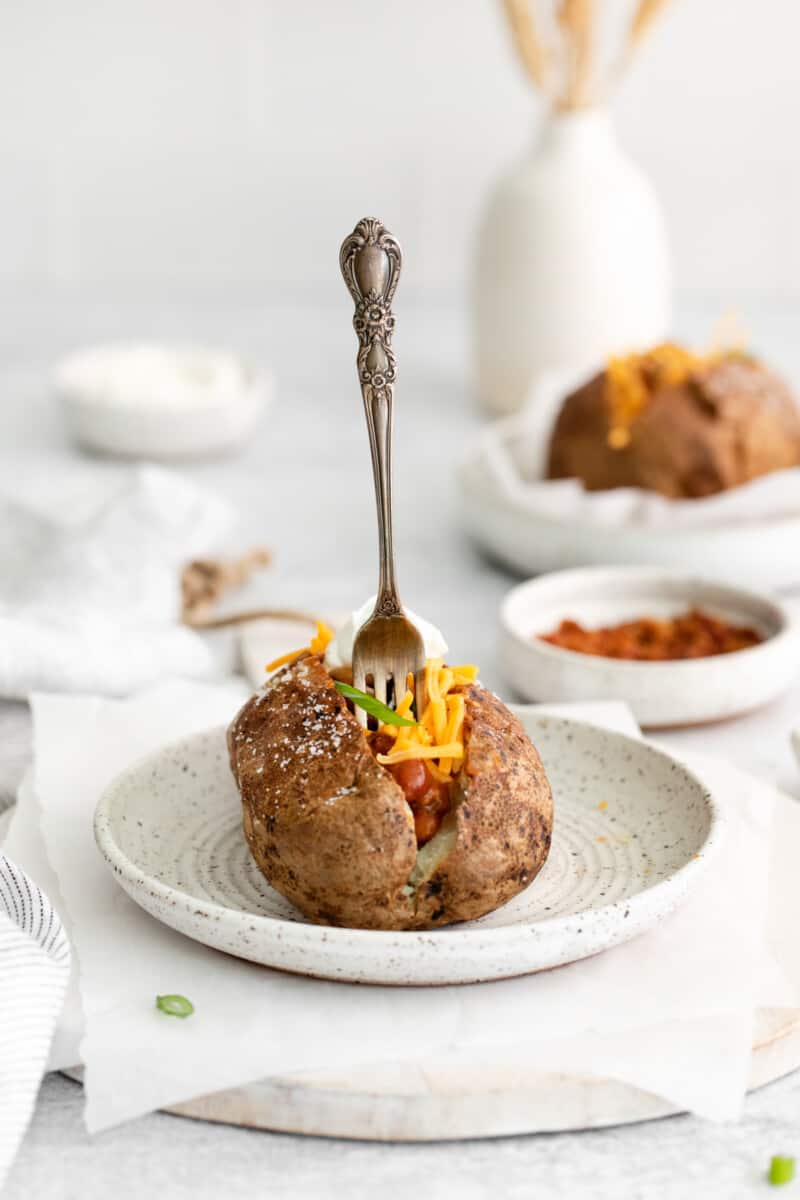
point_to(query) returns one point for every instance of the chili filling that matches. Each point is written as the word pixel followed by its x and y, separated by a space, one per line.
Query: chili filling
pixel 428 798
pixel 695 634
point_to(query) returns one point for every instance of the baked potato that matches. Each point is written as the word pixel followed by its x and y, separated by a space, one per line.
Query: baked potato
pixel 334 831
pixel 696 427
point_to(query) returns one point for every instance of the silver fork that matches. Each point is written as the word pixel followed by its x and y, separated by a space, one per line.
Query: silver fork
pixel 387 647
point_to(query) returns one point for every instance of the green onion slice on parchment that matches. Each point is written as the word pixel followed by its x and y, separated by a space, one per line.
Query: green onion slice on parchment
pixel 781 1170
pixel 175 1006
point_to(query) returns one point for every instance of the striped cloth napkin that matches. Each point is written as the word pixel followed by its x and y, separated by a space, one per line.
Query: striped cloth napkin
pixel 34 970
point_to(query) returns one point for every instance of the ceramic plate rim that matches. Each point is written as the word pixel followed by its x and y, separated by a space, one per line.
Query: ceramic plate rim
pixel 452 936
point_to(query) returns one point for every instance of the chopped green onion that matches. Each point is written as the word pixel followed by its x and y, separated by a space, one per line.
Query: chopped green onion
pixel 175 1006
pixel 781 1170
pixel 372 706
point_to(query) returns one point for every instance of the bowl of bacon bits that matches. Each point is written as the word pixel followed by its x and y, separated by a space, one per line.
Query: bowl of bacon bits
pixel 680 650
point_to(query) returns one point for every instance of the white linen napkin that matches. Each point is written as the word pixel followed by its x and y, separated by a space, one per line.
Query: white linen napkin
pixel 670 1012
pixel 92 604
pixel 34 969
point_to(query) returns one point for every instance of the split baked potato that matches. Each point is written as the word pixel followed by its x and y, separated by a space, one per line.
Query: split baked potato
pixel 333 830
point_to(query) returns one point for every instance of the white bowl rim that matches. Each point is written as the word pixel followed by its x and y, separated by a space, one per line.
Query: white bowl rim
pixel 491 434
pixel 258 380
pixel 788 625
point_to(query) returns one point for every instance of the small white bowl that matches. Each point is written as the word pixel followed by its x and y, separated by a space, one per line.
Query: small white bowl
pixel 683 692
pixel 159 402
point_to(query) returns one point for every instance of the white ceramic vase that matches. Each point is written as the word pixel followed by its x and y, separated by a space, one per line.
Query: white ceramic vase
pixel 573 262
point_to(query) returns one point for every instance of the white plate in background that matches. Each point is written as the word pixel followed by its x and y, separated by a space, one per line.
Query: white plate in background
pixel 684 692
pixel 632 835
pixel 534 525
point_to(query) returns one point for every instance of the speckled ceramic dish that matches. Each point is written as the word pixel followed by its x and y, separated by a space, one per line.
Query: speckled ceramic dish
pixel 633 833
pixel 660 694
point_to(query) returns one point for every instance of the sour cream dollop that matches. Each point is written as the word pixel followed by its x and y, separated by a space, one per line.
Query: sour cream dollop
pixel 340 650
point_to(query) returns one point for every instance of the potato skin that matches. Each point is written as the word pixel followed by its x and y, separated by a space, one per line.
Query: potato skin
pixel 504 822
pixel 727 424
pixel 331 830
pixel 327 825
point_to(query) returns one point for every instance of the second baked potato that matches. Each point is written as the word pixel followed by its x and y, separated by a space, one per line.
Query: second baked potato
pixel 692 429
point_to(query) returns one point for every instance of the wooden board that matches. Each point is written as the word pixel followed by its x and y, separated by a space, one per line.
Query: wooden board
pixel 400 1105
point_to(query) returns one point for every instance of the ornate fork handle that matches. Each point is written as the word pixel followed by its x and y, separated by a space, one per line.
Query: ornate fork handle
pixel 370 259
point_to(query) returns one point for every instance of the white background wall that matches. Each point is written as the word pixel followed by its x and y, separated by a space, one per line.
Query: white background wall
pixel 201 145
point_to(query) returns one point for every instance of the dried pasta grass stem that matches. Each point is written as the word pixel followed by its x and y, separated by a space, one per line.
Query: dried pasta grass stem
pixel 643 18
pixel 525 35
pixel 576 18
pixel 561 53
pixel 647 11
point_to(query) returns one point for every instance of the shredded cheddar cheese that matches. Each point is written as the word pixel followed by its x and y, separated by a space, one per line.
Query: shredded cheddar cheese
pixel 317 645
pixel 438 737
pixel 631 380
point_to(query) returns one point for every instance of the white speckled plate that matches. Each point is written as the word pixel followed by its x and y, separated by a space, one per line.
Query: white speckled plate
pixel 633 832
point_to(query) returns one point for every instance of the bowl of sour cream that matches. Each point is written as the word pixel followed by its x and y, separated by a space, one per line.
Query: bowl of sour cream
pixel 144 400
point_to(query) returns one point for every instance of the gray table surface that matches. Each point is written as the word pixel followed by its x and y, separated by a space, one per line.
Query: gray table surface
pixel 303 487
